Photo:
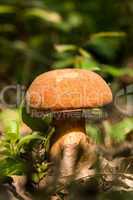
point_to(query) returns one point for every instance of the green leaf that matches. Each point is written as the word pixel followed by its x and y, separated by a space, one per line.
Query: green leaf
pixel 94 133
pixel 84 53
pixel 9 167
pixel 47 119
pixel 107 34
pixel 72 20
pixel 49 16
pixel 115 71
pixel 35 177
pixel 12 130
pixel 63 63
pixel 90 65
pixel 27 139
pixel 65 47
pixel 120 130
pixel 47 141
pixel 11 120
pixel 36 123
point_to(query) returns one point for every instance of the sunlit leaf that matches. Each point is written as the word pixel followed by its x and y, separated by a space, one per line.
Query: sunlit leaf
pixel 72 20
pixel 90 65
pixel 27 139
pixel 63 47
pixel 12 130
pixel 49 16
pixel 10 121
pixel 84 53
pixel 121 129
pixel 107 34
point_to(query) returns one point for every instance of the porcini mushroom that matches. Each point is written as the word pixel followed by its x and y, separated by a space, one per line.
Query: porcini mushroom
pixel 66 93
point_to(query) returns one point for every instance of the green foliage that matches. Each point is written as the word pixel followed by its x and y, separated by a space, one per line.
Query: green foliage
pixel 94 132
pixel 120 130
pixel 36 35
pixel 13 144
pixel 72 56
pixel 116 72
pixel 107 43
pixel 117 132
pixel 37 123
pixel 41 171
pixel 11 166
pixel 10 121
pixel 49 16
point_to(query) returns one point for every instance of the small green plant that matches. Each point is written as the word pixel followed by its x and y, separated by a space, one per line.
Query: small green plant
pixel 13 145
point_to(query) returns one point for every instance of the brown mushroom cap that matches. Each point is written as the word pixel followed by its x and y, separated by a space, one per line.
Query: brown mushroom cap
pixel 68 89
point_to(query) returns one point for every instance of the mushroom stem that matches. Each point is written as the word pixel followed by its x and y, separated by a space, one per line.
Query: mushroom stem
pixel 69 145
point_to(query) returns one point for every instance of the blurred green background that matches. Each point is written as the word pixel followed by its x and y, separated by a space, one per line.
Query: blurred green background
pixel 38 35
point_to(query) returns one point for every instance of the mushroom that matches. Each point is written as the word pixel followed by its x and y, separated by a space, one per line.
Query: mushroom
pixel 68 93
